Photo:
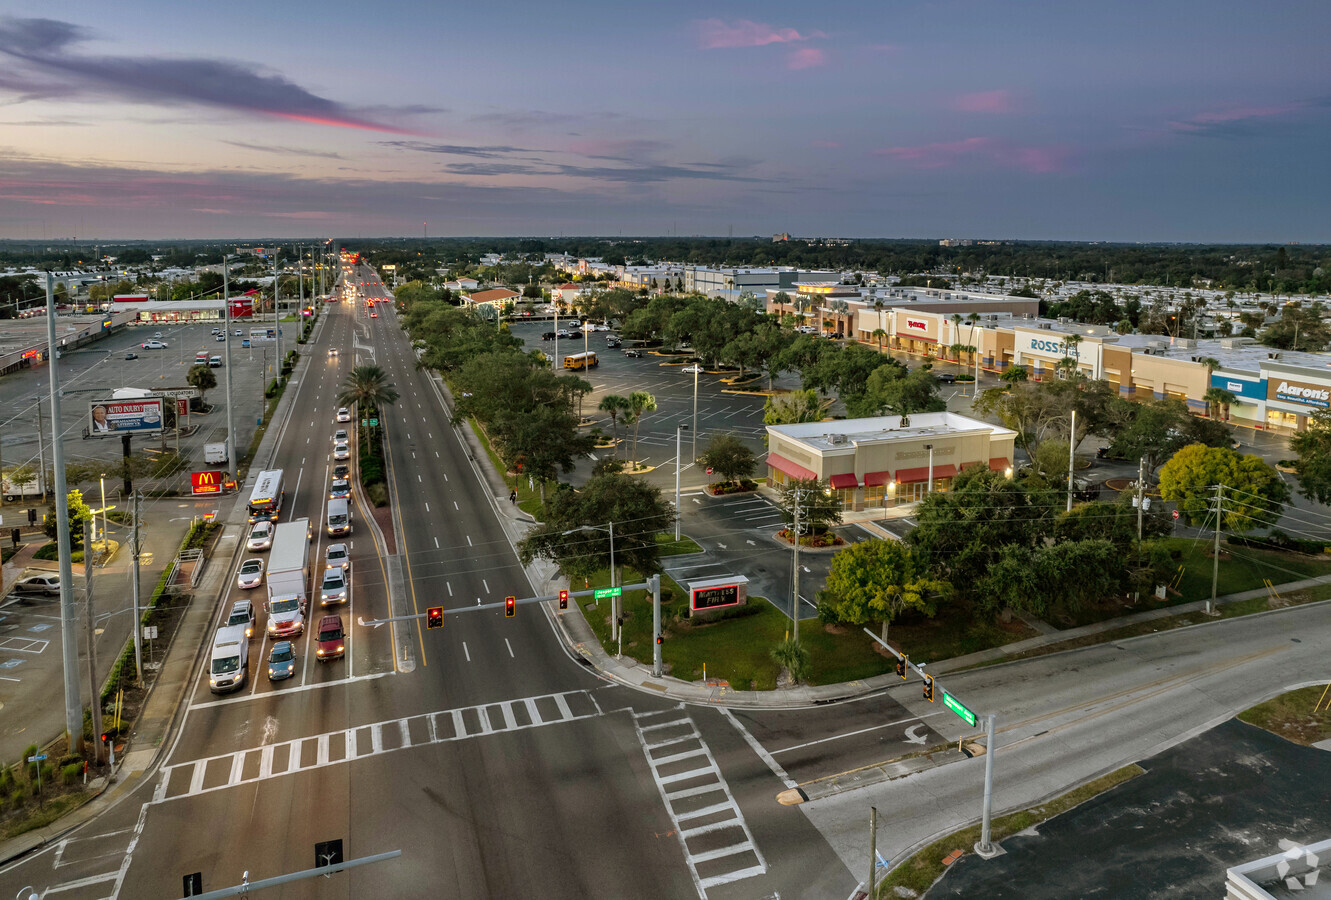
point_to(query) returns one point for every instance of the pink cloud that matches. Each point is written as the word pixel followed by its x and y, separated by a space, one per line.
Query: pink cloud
pixel 715 34
pixel 806 58
pixel 999 101
pixel 982 150
pixel 1216 119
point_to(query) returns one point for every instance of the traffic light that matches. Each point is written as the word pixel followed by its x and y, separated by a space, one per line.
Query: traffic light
pixel 563 600
pixel 901 666
pixel 106 738
pixel 929 688
pixel 510 607
pixel 434 617
pixel 659 639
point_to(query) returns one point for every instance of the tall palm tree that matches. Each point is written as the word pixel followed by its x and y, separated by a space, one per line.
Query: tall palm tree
pixel 614 405
pixel 878 334
pixel 640 403
pixel 367 386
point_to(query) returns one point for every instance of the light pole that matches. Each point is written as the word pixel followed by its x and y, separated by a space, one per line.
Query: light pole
pixel 103 478
pixel 614 601
pixel 693 436
pixel 226 331
pixel 678 429
pixel 930 448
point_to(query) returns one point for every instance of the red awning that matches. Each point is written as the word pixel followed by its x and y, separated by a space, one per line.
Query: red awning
pixel 913 476
pixel 845 481
pixel 781 464
pixel 873 479
pixel 999 465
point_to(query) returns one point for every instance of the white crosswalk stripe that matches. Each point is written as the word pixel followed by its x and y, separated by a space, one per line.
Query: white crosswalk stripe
pixel 717 843
pixel 215 773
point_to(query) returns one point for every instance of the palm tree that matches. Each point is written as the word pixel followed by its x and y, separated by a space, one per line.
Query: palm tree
pixel 367 386
pixel 614 405
pixel 878 334
pixel 640 403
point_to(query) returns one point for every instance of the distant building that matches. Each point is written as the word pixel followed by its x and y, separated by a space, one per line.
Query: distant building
pixel 490 297
pixel 781 238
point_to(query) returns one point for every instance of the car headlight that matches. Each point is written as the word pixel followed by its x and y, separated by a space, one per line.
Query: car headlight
pixel 319 652
pixel 271 671
pixel 339 648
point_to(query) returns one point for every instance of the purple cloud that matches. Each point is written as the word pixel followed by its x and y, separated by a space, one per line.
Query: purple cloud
pixel 999 101
pixel 717 34
pixel 984 151
pixel 54 71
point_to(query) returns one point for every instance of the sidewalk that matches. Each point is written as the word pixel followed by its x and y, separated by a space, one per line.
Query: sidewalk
pixel 137 761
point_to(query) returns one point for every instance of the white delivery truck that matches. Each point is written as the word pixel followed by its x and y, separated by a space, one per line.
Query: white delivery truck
pixel 288 573
pixel 215 452
pixel 23 482
pixel 230 662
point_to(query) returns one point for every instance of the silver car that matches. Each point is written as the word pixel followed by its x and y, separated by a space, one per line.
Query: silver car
pixel 342 450
pixel 251 574
pixel 335 586
pixel 337 557
pixel 39 584
pixel 261 536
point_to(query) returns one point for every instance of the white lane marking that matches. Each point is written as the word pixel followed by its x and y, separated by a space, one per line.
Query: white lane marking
pixel 418 477
pixel 445 474
pixel 450 588
pixel 744 848
pixel 436 454
pixel 837 737
pixel 82 883
pixel 487 585
pixel 455 506
pixel 469 540
pixel 427 509
pixel 465 651
pixel 510 649
pixel 287 691
pixel 759 749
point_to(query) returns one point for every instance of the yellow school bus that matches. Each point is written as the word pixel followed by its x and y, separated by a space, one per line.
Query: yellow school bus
pixel 580 360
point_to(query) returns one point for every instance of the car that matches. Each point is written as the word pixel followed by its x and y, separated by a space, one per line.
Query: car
pixel 220 338
pixel 217 331
pixel 946 378
pixel 334 587
pixel 337 556
pixel 214 362
pixel 131 355
pixel 242 613
pixel 636 354
pixel 601 327
pixel 342 470
pixel 286 617
pixel 612 341
pixel 153 345
pixel 330 641
pixel 340 489
pixel 344 415
pixel 565 335
pixel 342 451
pixel 692 370
pixel 332 351
pixel 282 661
pixel 261 536
pixel 547 335
pixel 250 575
pixel 340 436
pixel 374 315
pixel 157 334
pixel 238 332
pixel 48 584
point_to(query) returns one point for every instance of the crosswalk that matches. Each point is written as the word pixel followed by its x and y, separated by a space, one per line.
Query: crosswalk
pixel 717 843
pixel 227 770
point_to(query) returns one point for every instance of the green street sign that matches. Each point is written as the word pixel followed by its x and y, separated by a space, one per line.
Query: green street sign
pixel 953 704
pixel 603 593
pixel 364 422
pixel 374 423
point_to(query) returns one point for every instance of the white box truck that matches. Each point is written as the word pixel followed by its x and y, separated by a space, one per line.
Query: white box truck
pixel 28 483
pixel 230 662
pixel 288 572
pixel 215 452
pixel 291 548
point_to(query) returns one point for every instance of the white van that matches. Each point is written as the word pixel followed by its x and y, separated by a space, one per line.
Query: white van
pixel 229 666
pixel 339 518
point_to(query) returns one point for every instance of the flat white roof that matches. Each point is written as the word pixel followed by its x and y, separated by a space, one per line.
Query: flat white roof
pixel 879 429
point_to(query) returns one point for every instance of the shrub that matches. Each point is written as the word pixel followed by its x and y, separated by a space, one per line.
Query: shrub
pixel 70 773
pixel 378 493
pixel 793 655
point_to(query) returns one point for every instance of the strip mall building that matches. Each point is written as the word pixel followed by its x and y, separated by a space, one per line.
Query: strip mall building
pixel 1272 390
pixel 886 460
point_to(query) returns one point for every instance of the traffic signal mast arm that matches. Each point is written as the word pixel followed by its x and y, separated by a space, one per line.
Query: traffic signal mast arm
pixel 375 623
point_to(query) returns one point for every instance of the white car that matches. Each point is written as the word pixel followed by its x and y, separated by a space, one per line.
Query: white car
pixel 692 370
pixel 251 574
pixel 334 586
pixel 344 415
pixel 261 536
pixel 39 584
pixel 337 557
pixel 153 345
pixel 602 327
pixel 340 436
pixel 342 451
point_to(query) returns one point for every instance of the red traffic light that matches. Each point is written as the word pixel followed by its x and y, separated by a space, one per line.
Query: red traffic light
pixel 106 737
pixel 929 688
pixel 658 639
pixel 901 666
pixel 434 617
pixel 510 607
pixel 563 600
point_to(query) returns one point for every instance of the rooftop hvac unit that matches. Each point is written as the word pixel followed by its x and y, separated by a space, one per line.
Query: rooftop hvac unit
pixel 836 438
pixel 1273 356
pixel 1047 326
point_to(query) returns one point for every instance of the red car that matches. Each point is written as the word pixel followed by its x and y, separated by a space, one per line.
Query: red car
pixel 330 642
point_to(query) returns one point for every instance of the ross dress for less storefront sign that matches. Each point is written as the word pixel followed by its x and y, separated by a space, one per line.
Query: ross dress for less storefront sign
pixel 1299 392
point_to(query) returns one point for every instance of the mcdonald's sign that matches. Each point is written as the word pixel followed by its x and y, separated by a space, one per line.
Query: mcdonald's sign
pixel 206 482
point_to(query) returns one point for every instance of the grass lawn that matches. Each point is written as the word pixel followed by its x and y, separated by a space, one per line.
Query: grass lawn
pixel 1302 716
pixel 1243 570
pixel 924 868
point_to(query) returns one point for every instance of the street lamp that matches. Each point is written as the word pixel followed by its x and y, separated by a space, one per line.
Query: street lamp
pixel 103 478
pixel 930 448
pixel 678 428
pixel 614 601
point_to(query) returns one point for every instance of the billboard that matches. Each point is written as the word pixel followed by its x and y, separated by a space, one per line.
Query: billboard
pixel 206 482
pixel 142 415
pixel 262 335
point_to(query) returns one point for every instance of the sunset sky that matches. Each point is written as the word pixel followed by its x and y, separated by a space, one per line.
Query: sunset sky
pixel 1179 120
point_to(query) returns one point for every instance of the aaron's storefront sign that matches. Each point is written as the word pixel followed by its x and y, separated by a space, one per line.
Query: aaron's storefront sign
pixel 1301 393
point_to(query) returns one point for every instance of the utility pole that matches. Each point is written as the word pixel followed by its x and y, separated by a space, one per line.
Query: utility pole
pixel 1215 553
pixel 873 851
pixel 795 593
pixel 1141 474
pixel 94 696
pixel 69 641
pixel 1072 458
pixel 230 407
pixel 134 588
pixel 277 318
pixel 678 512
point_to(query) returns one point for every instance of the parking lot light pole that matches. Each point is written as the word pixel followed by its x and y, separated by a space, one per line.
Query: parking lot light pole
pixel 678 512
pixel 226 331
pixel 693 436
